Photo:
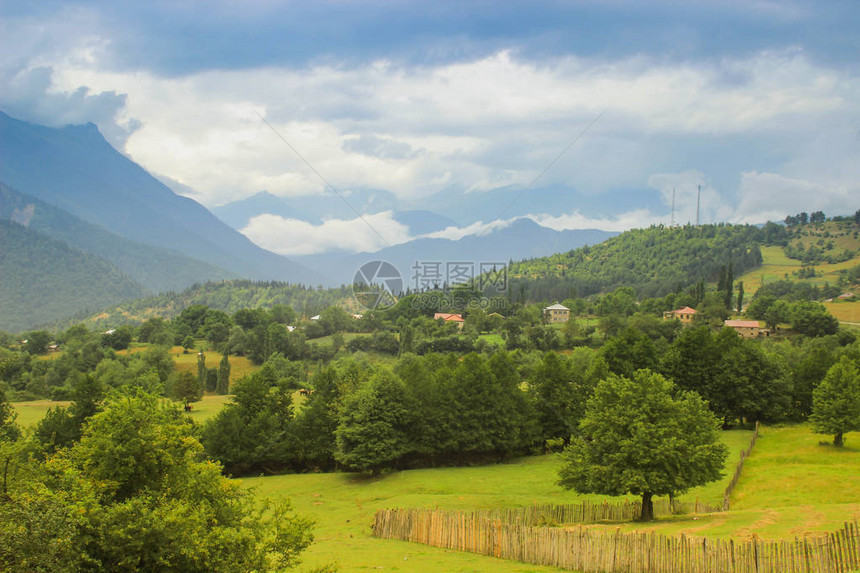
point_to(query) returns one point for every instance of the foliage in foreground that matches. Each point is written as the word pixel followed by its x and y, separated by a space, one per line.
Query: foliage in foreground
pixel 836 402
pixel 136 495
pixel 638 437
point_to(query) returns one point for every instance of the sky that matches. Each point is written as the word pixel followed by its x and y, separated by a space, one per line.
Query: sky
pixel 757 102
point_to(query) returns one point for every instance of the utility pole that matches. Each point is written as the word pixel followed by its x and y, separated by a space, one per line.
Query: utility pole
pixel 698 202
pixel 672 224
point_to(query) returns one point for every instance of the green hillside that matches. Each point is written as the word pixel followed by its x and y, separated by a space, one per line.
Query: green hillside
pixel 42 278
pixel 815 253
pixel 228 296
pixel 654 261
pixel 155 268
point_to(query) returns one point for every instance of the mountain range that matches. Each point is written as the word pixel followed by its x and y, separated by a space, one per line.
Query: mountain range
pixel 522 239
pixel 68 191
pixel 75 169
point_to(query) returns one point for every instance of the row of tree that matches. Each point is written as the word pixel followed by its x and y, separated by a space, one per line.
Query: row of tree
pixel 443 409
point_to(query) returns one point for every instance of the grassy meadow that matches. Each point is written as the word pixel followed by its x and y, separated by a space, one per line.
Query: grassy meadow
pixel 29 413
pixel 239 365
pixel 792 485
pixel 845 311
pixel 343 505
pixel 776 267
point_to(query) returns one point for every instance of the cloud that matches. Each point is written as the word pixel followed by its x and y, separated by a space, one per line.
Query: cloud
pixel 478 228
pixel 770 197
pixel 476 125
pixel 467 107
pixel 383 148
pixel 295 237
pixel 622 222
pixel 30 95
pixel 695 199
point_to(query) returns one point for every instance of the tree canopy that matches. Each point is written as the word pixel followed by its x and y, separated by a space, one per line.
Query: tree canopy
pixel 641 436
pixel 135 494
pixel 836 401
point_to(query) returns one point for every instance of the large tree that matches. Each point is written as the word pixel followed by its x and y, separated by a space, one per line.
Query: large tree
pixel 136 494
pixel 637 437
pixel 253 431
pixel 559 398
pixel 373 430
pixel 836 402
pixel 185 389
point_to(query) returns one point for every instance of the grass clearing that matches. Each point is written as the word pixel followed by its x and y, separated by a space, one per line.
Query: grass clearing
pixel 494 339
pixel 847 311
pixel 30 413
pixel 347 336
pixel 775 266
pixel 344 504
pixel 239 365
pixel 207 407
pixel 791 486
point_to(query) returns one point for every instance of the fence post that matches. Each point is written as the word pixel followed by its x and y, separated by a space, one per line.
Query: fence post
pixel 755 551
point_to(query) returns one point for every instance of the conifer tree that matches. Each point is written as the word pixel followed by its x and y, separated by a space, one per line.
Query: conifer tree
pixel 201 371
pixel 223 385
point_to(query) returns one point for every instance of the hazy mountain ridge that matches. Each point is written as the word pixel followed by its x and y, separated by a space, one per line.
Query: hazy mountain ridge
pixel 42 279
pixel 155 268
pixel 75 169
pixel 521 240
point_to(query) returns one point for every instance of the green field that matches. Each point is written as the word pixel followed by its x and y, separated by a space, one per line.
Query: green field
pixel 791 485
pixel 343 506
pixel 29 413
pixel 494 339
pixel 845 311
pixel 239 365
pixel 775 266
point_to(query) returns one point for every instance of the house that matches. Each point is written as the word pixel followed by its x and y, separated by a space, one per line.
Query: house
pixel 556 313
pixel 454 318
pixel 685 315
pixel 317 317
pixel 746 328
pixel 290 328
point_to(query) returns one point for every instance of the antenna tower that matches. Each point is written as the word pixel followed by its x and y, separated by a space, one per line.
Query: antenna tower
pixel 672 224
pixel 698 202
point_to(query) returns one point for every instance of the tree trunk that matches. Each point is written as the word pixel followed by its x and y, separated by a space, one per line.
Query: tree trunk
pixel 647 507
pixel 838 440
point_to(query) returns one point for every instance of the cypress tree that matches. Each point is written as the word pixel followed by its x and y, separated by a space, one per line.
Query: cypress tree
pixel 223 385
pixel 201 371
pixel 729 286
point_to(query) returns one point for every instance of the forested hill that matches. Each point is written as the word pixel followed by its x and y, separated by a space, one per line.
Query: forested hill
pixel 157 269
pixel 228 296
pixel 654 261
pixel 42 278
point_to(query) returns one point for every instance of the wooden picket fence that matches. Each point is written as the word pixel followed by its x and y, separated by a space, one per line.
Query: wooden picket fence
pixel 592 551
pixel 590 512
pixel 738 469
